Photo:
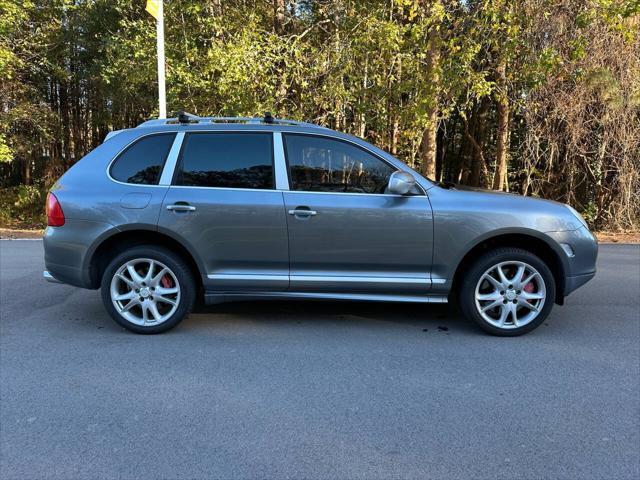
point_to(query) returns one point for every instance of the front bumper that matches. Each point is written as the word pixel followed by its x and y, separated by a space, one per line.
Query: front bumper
pixel 580 267
pixel 572 283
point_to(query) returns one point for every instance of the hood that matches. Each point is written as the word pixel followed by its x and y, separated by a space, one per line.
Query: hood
pixel 486 191
pixel 510 209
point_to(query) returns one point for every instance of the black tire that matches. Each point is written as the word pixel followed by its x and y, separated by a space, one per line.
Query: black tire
pixel 178 267
pixel 466 292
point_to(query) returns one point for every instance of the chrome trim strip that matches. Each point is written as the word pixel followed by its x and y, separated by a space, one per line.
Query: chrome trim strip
pixel 405 167
pixel 352 279
pixel 117 155
pixel 438 280
pixel 172 159
pixel 50 278
pixel 279 162
pixel 225 188
pixel 387 195
pixel 173 128
pixel 249 276
pixel 319 278
pixel 221 297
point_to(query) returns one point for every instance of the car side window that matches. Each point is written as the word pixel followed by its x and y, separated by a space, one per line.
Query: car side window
pixel 142 162
pixel 231 160
pixel 321 164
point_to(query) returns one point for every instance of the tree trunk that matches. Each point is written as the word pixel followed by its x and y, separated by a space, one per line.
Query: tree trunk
pixel 278 16
pixel 478 163
pixel 469 126
pixel 26 172
pixel 279 28
pixel 65 124
pixel 500 176
pixel 362 127
pixel 454 166
pixel 428 146
pixel 216 8
pixel 77 121
pixel 55 157
pixel 441 153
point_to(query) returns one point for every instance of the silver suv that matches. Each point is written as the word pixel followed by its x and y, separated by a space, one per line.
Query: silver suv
pixel 226 209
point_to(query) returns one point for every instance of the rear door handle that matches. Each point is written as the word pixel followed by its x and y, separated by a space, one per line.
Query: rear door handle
pixel 177 207
pixel 303 212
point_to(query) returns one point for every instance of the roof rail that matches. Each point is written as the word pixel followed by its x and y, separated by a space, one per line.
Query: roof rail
pixel 185 118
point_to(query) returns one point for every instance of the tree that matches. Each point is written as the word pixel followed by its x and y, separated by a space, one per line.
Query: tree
pixel 537 96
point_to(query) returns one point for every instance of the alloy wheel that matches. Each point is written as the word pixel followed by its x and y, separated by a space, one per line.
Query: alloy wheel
pixel 145 292
pixel 510 294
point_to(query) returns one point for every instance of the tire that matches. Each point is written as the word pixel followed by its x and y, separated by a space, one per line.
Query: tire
pixel 148 304
pixel 530 293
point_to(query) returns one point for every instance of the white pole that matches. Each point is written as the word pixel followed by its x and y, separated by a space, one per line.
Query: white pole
pixel 160 39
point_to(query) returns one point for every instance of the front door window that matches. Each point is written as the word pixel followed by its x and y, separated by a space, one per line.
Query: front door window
pixel 320 164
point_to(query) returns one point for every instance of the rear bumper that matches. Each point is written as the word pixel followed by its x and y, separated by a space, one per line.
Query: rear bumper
pixel 50 278
pixel 67 251
pixel 64 274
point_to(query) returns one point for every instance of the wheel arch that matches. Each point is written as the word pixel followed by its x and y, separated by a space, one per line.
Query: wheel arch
pixel 106 247
pixel 531 240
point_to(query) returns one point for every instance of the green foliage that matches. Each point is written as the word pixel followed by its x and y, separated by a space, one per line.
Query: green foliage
pixel 6 154
pixel 22 207
pixel 602 83
pixel 590 214
pixel 27 197
pixel 70 71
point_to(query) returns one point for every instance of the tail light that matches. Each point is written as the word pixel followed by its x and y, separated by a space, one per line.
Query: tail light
pixel 55 215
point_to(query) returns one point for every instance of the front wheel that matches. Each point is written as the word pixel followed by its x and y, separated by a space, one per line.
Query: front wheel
pixel 507 292
pixel 148 289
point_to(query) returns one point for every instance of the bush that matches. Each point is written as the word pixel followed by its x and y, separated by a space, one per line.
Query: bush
pixel 22 207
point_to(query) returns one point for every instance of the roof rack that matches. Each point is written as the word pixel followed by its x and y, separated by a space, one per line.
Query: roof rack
pixel 185 118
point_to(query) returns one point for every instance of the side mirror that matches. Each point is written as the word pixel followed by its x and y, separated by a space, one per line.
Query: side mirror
pixel 401 183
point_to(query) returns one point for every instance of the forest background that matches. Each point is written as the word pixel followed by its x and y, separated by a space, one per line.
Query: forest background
pixel 537 97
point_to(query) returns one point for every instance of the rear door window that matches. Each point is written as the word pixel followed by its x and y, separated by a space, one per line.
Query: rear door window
pixel 143 161
pixel 227 160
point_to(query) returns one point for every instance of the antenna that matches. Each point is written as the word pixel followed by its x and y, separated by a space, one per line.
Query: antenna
pixel 268 118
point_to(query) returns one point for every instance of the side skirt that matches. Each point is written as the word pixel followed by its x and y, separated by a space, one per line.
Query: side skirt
pixel 224 297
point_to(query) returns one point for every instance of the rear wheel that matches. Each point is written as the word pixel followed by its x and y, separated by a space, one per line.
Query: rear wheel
pixel 507 292
pixel 148 289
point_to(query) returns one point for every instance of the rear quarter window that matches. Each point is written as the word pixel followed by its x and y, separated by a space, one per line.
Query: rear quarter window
pixel 142 162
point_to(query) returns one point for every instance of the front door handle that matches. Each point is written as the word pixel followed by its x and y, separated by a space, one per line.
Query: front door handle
pixel 303 212
pixel 180 207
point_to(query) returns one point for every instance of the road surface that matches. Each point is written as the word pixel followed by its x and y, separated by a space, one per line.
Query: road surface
pixel 317 390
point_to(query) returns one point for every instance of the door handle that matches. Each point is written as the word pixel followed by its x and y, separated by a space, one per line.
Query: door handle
pixel 177 207
pixel 303 212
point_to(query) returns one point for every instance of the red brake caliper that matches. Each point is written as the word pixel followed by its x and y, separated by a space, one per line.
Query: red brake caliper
pixel 530 288
pixel 166 281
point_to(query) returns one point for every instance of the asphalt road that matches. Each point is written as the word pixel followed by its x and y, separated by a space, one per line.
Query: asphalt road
pixel 317 390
